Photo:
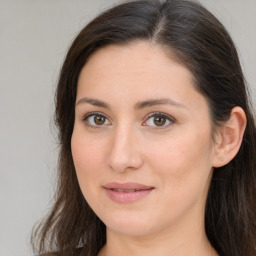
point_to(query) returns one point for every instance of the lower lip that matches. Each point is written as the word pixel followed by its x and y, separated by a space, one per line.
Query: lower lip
pixel 127 197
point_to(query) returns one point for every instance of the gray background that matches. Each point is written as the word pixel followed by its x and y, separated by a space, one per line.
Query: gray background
pixel 35 36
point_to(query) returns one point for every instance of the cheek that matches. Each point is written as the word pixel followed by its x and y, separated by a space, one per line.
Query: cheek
pixel 183 171
pixel 183 162
pixel 88 160
pixel 88 150
pixel 85 154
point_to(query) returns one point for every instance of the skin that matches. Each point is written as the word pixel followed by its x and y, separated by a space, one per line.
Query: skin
pixel 176 158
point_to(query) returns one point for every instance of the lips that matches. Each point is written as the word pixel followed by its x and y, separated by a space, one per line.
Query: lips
pixel 127 192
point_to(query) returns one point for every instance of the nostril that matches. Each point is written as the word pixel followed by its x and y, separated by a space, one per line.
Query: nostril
pixel 123 161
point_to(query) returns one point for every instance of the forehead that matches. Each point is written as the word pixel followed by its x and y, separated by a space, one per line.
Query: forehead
pixel 136 72
pixel 123 76
pixel 132 63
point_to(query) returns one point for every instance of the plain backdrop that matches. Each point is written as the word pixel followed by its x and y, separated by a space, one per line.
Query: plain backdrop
pixel 34 37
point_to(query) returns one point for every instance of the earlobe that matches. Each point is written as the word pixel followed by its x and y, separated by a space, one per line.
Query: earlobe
pixel 229 137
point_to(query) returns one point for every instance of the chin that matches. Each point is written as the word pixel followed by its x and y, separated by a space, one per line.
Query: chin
pixel 129 225
pixel 130 229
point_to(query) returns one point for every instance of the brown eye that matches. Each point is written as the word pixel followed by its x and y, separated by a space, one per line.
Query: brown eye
pixel 99 120
pixel 95 120
pixel 159 120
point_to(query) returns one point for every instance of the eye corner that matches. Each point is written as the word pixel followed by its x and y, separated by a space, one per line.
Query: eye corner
pixel 167 120
pixel 90 120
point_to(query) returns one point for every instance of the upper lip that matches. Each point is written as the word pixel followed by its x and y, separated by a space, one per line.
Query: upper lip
pixel 127 186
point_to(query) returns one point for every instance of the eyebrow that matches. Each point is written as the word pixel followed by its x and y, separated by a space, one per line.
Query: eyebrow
pixel 154 102
pixel 93 102
pixel 137 106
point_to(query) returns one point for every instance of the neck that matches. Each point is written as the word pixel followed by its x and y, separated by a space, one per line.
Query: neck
pixel 189 241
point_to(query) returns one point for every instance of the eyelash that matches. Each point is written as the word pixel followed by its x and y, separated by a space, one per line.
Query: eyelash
pixel 170 119
pixel 161 115
pixel 91 114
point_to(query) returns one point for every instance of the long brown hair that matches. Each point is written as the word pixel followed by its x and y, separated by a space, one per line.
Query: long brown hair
pixel 201 43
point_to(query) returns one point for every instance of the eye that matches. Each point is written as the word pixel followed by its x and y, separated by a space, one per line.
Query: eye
pixel 96 119
pixel 158 120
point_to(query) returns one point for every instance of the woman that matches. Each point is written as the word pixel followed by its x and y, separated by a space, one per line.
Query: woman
pixel 157 138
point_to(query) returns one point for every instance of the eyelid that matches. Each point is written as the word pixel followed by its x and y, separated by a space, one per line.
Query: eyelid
pixel 93 113
pixel 86 116
pixel 161 114
pixel 168 117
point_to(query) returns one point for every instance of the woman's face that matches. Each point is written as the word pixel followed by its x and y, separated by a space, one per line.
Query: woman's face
pixel 142 140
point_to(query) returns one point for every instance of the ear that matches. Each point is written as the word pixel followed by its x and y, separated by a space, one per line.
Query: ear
pixel 229 137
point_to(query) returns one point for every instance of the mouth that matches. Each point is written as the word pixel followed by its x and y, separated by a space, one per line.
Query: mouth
pixel 127 192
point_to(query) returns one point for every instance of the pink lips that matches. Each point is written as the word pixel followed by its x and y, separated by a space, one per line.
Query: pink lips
pixel 127 192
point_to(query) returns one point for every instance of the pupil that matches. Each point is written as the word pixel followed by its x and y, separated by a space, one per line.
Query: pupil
pixel 159 121
pixel 99 120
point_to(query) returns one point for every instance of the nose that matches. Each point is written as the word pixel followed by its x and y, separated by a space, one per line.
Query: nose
pixel 124 151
